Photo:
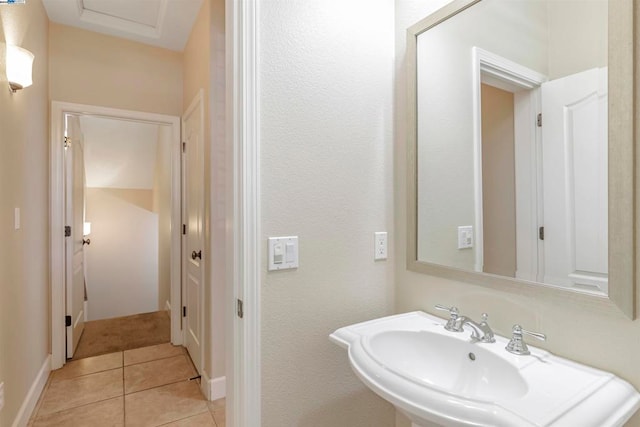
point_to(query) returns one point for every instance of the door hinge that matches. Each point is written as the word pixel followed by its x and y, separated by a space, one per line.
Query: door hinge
pixel 240 308
pixel 67 231
pixel 67 142
pixel 67 321
pixel 184 228
pixel 541 233
pixel 184 311
pixel 539 120
pixel 184 147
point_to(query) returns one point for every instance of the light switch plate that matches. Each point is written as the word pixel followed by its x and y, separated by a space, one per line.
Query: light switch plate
pixel 1 395
pixel 380 245
pixel 465 237
pixel 16 218
pixel 283 253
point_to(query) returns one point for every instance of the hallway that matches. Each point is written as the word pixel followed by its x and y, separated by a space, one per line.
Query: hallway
pixel 148 386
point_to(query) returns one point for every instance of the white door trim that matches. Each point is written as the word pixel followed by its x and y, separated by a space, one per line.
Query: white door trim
pixel 243 125
pixel 506 74
pixel 57 221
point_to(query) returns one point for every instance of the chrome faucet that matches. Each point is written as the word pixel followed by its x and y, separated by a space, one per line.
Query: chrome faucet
pixel 480 331
pixel 517 344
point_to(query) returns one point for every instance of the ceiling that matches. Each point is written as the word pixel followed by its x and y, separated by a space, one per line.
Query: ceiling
pixel 162 23
pixel 119 153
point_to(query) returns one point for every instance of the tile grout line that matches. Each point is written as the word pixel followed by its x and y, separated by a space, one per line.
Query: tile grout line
pixel 153 360
pixel 124 401
pixel 76 407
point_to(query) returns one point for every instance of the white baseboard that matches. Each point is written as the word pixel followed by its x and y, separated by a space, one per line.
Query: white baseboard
pixel 213 389
pixel 167 306
pixel 218 388
pixel 31 400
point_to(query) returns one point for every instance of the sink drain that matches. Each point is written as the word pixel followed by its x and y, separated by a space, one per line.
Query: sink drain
pixel 472 356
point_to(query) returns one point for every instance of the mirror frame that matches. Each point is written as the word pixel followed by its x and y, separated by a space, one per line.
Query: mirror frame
pixel 623 225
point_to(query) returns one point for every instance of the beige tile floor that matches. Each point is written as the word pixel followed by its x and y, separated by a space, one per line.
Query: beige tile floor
pixel 148 387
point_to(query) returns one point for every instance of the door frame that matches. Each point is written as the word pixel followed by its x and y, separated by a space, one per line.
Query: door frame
pixel 508 75
pixel 243 353
pixel 57 220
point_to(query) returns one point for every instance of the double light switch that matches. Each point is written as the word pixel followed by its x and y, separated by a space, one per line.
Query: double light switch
pixel 283 253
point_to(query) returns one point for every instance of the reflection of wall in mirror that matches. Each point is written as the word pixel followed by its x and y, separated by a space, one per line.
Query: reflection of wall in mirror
pixel 498 181
pixel 518 31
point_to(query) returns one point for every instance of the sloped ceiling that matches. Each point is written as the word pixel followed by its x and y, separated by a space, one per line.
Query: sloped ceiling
pixel 119 153
pixel 162 23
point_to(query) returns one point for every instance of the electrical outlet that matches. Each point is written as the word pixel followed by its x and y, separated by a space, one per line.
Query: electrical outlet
pixel 1 396
pixel 380 245
pixel 465 237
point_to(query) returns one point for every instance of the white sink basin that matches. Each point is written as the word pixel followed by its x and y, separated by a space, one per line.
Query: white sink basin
pixel 451 365
pixel 439 377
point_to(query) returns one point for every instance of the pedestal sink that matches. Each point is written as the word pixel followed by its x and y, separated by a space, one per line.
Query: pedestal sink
pixel 437 377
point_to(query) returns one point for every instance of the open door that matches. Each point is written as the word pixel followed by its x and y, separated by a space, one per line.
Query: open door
pixel 574 135
pixel 74 243
pixel 193 204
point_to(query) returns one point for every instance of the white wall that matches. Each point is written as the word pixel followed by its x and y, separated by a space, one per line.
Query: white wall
pixel 606 341
pixel 122 260
pixel 162 207
pixel 326 72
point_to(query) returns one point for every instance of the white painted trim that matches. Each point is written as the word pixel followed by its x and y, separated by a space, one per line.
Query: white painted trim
pixel 57 221
pixel 167 307
pixel 31 399
pixel 213 389
pixel 487 65
pixel 243 86
pixel 197 102
pixel 218 388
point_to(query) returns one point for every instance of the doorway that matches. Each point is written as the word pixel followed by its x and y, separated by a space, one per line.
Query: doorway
pixel 64 298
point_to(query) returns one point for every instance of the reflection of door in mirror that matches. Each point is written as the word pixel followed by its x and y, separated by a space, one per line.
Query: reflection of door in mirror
pixel 574 138
pixel 533 198
pixel 558 236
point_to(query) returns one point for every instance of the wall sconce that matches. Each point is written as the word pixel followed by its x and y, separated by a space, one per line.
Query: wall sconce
pixel 86 230
pixel 19 66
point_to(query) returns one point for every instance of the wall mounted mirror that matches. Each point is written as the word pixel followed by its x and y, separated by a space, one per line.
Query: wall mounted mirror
pixel 521 145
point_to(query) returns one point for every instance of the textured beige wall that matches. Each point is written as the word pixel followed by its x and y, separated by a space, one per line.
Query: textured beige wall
pixel 498 182
pixel 162 206
pixel 585 334
pixel 326 174
pixel 95 69
pixel 198 69
pixel 577 36
pixel 24 183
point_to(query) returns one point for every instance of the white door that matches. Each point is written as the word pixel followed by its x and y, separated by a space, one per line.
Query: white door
pixel 193 278
pixel 574 135
pixel 74 213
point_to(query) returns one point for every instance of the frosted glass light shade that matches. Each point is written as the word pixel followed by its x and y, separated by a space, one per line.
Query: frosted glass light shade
pixel 19 66
pixel 86 229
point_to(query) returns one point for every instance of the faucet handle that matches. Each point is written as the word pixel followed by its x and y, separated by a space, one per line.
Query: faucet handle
pixel 452 323
pixel 517 344
pixel 538 335
pixel 451 310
